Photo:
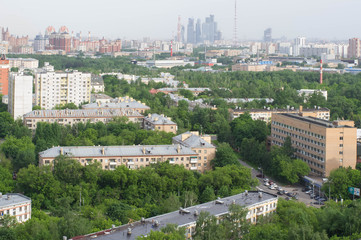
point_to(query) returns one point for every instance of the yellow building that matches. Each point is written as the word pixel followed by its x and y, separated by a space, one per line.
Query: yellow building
pixel 159 123
pixel 322 144
pixel 202 145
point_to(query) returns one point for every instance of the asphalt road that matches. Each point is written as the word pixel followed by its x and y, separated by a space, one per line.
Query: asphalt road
pixel 302 197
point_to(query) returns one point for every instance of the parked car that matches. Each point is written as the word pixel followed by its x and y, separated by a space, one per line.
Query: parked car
pixel 322 199
pixel 272 187
pixel 309 192
pixel 260 176
pixel 280 192
pixel 271 182
pixel 318 203
pixel 265 179
pixel 266 184
pixel 312 196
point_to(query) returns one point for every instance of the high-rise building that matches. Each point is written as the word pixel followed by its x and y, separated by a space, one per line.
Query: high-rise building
pixel 299 42
pixel 209 30
pixel 4 75
pixel 354 48
pixel 190 31
pixel 198 31
pixel 267 35
pixel 39 43
pixel 20 94
pixel 59 40
pixel 59 88
pixel 322 144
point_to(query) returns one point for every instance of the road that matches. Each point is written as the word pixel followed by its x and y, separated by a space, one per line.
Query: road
pixel 302 197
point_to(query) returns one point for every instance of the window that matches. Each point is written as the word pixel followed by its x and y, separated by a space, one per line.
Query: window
pixel 341 138
pixel 341 145
pixel 341 152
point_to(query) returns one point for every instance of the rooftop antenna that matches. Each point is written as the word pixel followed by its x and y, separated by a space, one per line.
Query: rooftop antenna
pixel 235 23
pixel 171 48
pixel 89 36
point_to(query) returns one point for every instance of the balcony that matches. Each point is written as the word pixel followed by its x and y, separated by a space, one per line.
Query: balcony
pixel 130 163
pixel 194 160
pixel 194 168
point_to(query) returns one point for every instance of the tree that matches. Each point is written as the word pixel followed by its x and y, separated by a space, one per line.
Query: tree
pixel 207 195
pixel 207 228
pixel 6 180
pixel 224 156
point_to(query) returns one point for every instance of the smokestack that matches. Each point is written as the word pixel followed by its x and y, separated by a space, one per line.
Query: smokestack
pixel 89 36
pixel 321 72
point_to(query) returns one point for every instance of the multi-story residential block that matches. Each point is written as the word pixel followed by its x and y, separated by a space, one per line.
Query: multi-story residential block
pixel 97 84
pixel 309 92
pixel 258 204
pixel 100 97
pixel 20 97
pixel 266 114
pixel 354 48
pixel 195 91
pixel 17 205
pixel 122 103
pixel 160 123
pixel 190 150
pixel 202 145
pixel 58 88
pixel 322 144
pixel 74 116
pixel 26 63
pixel 4 75
pixel 133 157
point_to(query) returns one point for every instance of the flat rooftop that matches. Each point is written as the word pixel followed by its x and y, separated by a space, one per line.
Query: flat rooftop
pixel 180 219
pixel 281 110
pixel 15 199
pixel 119 151
pixel 314 120
pixel 82 113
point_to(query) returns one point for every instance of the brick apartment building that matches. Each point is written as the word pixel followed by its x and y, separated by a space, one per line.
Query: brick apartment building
pixel 322 144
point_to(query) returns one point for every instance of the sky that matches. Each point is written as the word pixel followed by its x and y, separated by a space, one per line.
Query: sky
pixel 157 19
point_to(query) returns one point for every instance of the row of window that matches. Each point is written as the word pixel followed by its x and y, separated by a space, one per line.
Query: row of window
pixel 311 134
pixel 298 137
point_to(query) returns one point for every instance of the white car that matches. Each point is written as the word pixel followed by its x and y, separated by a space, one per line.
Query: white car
pixel 271 187
pixel 265 180
pixel 266 184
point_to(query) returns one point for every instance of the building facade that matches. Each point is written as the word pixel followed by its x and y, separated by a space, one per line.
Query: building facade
pixel 74 116
pixel 201 144
pixel 17 205
pixel 258 204
pixel 159 123
pixel 266 114
pixel 20 97
pixel 4 75
pixel 26 63
pixel 322 144
pixel 59 88
pixel 122 103
pixel 354 48
pixel 133 157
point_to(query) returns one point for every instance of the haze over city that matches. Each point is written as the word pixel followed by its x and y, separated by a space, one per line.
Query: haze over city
pixel 321 19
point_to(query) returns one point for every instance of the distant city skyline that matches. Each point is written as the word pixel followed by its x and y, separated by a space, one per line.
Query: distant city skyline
pixel 322 19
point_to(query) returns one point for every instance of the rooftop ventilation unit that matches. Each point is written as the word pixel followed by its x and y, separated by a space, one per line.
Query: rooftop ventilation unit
pixel 196 213
pixel 260 194
pixel 129 232
pixel 246 192
pixel 156 223
pixel 219 201
pixel 183 211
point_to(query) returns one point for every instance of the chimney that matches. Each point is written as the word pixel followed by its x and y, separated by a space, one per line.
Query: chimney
pixel 1 195
pixel 61 151
pixel 301 108
pixel 103 151
pixel 143 150
pixel 178 148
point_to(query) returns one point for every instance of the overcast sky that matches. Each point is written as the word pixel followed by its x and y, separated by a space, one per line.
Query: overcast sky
pixel 134 19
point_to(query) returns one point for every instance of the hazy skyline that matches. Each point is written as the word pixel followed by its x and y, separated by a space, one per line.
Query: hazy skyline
pixel 323 19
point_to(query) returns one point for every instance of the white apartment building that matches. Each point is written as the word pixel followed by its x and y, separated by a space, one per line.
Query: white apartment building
pixel 15 204
pixel 20 94
pixel 53 88
pixel 26 63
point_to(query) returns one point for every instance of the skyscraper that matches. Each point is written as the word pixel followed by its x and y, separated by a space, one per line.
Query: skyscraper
pixel 209 30
pixel 190 31
pixel 299 42
pixel 4 75
pixel 354 48
pixel 267 35
pixel 198 31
